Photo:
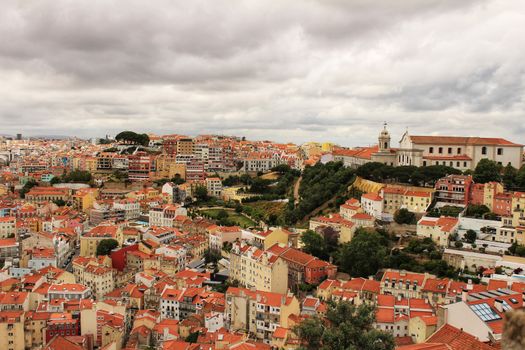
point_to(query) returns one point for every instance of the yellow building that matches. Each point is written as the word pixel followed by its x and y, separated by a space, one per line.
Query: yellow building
pixel 90 164
pixel 35 324
pixel 255 268
pixel 438 229
pixel 265 240
pixel 84 199
pixel 90 240
pixel 518 209
pixel 417 201
pixel 112 334
pixel 259 312
pixel 167 167
pixel 7 227
pixel 422 327
pixel 12 330
pixel 491 189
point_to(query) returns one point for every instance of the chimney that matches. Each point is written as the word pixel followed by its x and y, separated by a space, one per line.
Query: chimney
pixel 470 286
pixel 498 304
pixel 464 294
pixel 399 297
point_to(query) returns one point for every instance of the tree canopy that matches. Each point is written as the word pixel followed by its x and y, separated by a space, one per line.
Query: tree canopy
pixel 105 246
pixel 364 254
pixel 315 244
pixel 404 216
pixel 487 171
pixel 319 184
pixel 346 327
pixel 27 187
pixel 417 176
pixel 133 138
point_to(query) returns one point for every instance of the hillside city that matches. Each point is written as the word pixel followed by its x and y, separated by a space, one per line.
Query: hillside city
pixel 211 242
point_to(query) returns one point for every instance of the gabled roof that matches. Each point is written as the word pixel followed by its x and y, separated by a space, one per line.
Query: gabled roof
pixel 457 339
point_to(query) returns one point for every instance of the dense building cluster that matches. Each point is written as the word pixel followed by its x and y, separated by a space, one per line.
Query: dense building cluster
pixel 103 245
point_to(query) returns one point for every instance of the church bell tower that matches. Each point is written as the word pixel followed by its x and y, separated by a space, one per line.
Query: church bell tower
pixel 384 139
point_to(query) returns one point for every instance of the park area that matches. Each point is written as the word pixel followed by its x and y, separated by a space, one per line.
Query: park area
pixel 228 217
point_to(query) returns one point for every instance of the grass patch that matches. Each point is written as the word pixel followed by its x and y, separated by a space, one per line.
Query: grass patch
pixel 233 217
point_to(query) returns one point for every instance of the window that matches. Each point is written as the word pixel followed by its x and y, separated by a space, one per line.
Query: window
pixel 431 150
pixel 500 151
pixel 465 164
pixel 440 150
pixel 450 150
pixel 424 163
pixel 459 150
pixel 483 150
pixel 458 164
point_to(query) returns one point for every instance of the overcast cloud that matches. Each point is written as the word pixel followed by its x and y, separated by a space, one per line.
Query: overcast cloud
pixel 284 70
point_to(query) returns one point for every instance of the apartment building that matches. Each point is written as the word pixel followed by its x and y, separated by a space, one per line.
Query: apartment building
pixel 68 291
pixel 9 249
pixel 214 186
pixel 259 312
pixel 259 269
pixel 61 324
pixel 403 284
pixel 7 227
pixel 90 240
pixel 165 215
pixel 372 204
pixel 303 267
pixel 47 194
pixel 12 330
pixel 130 207
pixel 220 235
pixel 437 229
pixel 393 314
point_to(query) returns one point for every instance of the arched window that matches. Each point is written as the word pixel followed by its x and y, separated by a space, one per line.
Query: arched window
pixel 483 150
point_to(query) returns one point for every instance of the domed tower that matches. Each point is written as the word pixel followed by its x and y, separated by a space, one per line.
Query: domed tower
pixel 384 139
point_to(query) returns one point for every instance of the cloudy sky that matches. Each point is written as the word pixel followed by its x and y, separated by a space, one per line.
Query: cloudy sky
pixel 284 70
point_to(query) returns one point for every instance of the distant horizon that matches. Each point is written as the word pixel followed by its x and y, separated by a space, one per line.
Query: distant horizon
pixel 395 140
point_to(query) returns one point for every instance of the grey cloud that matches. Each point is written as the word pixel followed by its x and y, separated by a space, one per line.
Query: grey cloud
pixel 296 70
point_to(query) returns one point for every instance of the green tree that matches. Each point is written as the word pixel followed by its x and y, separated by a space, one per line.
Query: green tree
pixel 59 202
pixel 477 210
pixel 105 246
pixel 77 176
pixel 27 187
pixel 192 337
pixel 487 171
pixel 509 176
pixel 177 179
pixel 404 216
pixel 471 236
pixel 346 327
pixel 363 255
pixel 314 244
pixel 520 178
pixel 211 256
pixel 133 138
pixel 222 214
pixel 55 180
pixel 201 193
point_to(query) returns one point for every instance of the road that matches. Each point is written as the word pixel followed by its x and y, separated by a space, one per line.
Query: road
pixel 296 190
pixel 69 267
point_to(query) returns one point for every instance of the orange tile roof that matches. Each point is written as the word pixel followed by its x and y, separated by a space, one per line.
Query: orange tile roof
pixel 459 140
pixel 457 339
